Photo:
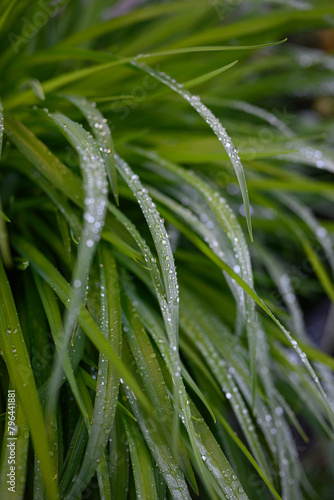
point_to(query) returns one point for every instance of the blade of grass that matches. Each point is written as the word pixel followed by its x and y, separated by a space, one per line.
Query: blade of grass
pixel 142 468
pixel 107 381
pixel 16 355
pixel 102 134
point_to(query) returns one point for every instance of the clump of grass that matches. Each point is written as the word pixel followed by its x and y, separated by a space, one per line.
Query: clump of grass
pixel 154 286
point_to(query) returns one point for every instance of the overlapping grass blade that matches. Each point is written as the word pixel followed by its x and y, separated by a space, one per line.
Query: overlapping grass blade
pixel 249 291
pixel 229 224
pixel 63 290
pixel 95 188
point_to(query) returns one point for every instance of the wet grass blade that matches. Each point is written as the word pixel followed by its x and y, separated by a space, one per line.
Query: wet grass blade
pixel 216 127
pixel 107 381
pixel 15 354
pixel 55 321
pixel 142 467
pixel 96 195
pixel 85 320
pixel 102 134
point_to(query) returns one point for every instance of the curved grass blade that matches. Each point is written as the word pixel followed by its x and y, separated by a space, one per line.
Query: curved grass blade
pixel 155 438
pixel 165 254
pixel 230 225
pixel 220 48
pixel 155 385
pixel 96 196
pixel 208 76
pixel 214 124
pixel 102 134
pixel 193 325
pixel 16 356
pixel 63 80
pixel 301 354
pixel 162 245
pixel 265 115
pixel 44 161
pixel 215 460
pixel 217 240
pixel 307 216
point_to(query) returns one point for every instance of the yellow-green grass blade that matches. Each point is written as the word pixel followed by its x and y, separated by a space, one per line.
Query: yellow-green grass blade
pixel 209 48
pixel 20 462
pixel 20 372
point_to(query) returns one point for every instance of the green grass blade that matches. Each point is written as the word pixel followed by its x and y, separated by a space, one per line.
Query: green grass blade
pixel 141 461
pixel 102 134
pixel 21 456
pixel 107 382
pixel 208 76
pixel 119 460
pixel 187 50
pixel 42 158
pixel 165 254
pixel 15 354
pixel 96 195
pixel 54 317
pixel 230 225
